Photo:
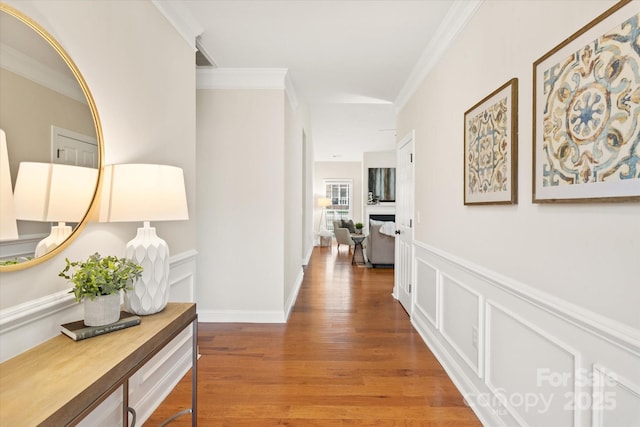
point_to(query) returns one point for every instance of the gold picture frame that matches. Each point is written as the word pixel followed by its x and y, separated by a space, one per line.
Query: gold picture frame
pixel 586 108
pixel 491 148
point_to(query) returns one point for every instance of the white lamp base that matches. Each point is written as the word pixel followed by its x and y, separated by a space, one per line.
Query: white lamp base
pixel 59 233
pixel 150 293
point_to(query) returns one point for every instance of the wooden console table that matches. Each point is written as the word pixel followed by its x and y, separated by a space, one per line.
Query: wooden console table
pixel 61 381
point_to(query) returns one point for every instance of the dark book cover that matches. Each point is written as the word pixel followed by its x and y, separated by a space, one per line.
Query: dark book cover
pixel 78 330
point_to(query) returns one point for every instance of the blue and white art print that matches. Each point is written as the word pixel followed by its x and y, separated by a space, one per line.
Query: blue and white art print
pixel 491 148
pixel 587 113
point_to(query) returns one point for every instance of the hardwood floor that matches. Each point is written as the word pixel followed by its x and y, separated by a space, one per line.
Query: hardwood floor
pixel 348 356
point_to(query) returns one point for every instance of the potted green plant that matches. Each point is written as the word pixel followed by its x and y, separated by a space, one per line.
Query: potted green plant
pixel 359 227
pixel 97 283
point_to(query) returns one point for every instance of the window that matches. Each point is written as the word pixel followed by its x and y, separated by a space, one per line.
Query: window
pixel 339 191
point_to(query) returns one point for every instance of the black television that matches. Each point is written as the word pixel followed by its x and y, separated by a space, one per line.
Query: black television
pixel 382 184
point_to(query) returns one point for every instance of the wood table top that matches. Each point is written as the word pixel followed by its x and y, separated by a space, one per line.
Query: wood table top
pixel 54 382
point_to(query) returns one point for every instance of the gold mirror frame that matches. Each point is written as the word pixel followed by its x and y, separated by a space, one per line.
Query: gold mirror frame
pixel 4 8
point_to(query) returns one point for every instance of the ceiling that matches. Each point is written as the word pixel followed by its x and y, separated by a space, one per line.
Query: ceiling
pixel 348 60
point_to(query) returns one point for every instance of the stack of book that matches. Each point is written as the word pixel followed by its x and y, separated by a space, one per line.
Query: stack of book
pixel 79 331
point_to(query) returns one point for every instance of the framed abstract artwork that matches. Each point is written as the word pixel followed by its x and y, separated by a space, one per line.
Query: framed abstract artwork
pixel 491 148
pixel 586 113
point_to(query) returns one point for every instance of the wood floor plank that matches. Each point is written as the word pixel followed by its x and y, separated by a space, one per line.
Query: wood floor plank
pixel 348 356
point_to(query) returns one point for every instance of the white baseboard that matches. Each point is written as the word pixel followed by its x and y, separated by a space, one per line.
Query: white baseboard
pixel 241 316
pixel 254 316
pixel 293 296
pixel 485 414
pixel 307 257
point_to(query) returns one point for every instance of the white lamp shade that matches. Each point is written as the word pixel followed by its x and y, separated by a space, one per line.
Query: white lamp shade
pixel 8 225
pixel 323 202
pixel 143 192
pixel 53 192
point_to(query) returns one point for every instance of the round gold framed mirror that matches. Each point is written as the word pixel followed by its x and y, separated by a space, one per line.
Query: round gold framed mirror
pixel 52 144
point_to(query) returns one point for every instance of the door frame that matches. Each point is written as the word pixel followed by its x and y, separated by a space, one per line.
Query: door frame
pixel 57 132
pixel 407 139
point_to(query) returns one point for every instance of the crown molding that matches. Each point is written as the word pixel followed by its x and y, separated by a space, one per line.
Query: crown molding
pixel 27 67
pixel 247 79
pixel 181 20
pixel 455 20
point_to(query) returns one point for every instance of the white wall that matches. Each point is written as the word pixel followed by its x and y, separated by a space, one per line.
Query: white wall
pixel 141 74
pixel 379 159
pixel 302 113
pixel 546 286
pixel 146 104
pixel 572 251
pixel 251 209
pixel 338 170
pixel 241 210
pixel 294 211
pixel 29 134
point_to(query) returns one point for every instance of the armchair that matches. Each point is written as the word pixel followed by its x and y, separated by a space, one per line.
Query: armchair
pixel 381 245
pixel 343 235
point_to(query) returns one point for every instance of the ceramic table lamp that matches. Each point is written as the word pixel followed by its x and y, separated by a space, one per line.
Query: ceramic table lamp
pixel 50 192
pixel 145 192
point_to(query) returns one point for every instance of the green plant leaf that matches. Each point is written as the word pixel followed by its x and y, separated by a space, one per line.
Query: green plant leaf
pixel 100 276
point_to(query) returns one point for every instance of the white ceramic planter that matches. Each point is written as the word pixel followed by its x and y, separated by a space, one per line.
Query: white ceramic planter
pixel 104 309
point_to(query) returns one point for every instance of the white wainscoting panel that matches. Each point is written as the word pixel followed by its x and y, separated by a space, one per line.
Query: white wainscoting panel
pixel 155 380
pixel 148 387
pixel 540 360
pixel 532 369
pixel 28 325
pixel 426 295
pixel 461 314
pixel 109 413
pixel 615 400
pixel 182 277
pixel 24 247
